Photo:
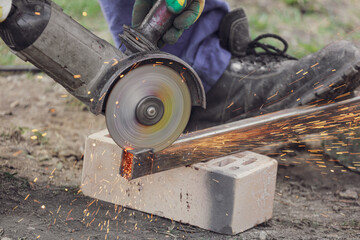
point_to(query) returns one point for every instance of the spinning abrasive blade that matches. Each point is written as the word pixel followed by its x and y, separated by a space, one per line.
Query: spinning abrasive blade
pixel 148 108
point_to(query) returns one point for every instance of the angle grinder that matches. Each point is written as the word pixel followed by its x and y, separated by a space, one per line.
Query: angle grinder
pixel 146 95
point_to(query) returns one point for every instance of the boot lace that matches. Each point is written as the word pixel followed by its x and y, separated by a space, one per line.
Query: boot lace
pixel 267 48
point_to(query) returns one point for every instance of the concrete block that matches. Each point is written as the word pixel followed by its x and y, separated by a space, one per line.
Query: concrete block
pixel 226 195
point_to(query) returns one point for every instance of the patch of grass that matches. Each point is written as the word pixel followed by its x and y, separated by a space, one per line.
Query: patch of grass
pixel 76 8
pixel 307 47
pixel 87 13
pixel 9 175
pixel 23 130
pixel 12 177
pixel 306 32
pixel 7 58
pixel 306 25
pixel 40 137
pixel 75 103
pixel 259 23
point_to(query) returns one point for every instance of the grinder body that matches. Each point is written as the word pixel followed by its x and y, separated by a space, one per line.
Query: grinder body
pixel 88 67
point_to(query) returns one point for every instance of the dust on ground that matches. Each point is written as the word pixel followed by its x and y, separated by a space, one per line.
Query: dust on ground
pixel 42 136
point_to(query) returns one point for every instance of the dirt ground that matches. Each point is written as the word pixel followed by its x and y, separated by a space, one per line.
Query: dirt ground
pixel 42 135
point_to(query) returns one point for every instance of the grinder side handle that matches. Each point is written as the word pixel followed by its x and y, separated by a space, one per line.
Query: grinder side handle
pixel 154 26
pixel 160 19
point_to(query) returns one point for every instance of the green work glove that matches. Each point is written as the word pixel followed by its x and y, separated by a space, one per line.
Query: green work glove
pixel 181 22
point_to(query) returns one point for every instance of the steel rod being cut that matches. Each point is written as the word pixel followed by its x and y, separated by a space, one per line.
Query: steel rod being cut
pixel 247 134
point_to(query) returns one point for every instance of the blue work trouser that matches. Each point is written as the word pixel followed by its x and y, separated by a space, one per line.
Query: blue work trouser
pixel 199 46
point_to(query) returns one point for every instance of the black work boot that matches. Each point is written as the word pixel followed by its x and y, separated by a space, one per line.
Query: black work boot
pixel 265 82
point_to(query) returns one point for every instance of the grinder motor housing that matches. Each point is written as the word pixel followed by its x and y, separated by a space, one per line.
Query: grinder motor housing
pixel 38 31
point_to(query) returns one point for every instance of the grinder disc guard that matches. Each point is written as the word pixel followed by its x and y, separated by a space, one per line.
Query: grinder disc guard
pixel 148 108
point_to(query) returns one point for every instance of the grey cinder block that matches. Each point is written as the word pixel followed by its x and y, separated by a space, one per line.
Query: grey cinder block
pixel 226 195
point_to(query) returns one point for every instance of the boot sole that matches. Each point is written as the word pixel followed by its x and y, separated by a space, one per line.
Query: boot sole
pixel 337 87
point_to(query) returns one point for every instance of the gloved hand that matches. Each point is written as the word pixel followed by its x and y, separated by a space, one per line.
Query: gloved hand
pixel 181 22
pixel 5 8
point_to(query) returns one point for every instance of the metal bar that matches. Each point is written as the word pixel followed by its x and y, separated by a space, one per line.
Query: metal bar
pixel 246 134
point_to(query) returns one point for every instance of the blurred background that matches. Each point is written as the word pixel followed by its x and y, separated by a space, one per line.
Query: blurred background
pixel 307 25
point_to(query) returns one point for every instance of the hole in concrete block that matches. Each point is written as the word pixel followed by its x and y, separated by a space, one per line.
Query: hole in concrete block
pixel 240 155
pixel 225 162
pixel 250 161
pixel 234 168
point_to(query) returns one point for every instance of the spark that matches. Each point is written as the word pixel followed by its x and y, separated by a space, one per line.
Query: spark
pixel 37 13
pixel 43 207
pixel 300 71
pixel 314 65
pixel 318 87
pixel 344 85
pixel 102 96
pixel 58 209
pixel 230 105
pixel 27 197
pixel 67 217
pixel 296 81
pixel 115 62
pixel 126 164
pixel 343 95
pixel 90 204
pixel 273 95
pixel 77 76
pixel 17 153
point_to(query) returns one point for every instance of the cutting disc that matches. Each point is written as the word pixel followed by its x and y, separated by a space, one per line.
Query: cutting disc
pixel 148 108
